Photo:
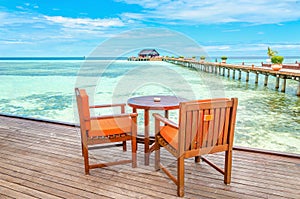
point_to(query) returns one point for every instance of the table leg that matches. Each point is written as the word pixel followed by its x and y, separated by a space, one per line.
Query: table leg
pixel 146 141
pixel 134 111
pixel 166 114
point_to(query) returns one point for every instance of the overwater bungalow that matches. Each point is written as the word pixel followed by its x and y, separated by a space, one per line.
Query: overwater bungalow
pixel 147 55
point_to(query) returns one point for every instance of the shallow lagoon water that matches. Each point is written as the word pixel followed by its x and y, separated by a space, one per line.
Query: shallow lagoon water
pixel 266 119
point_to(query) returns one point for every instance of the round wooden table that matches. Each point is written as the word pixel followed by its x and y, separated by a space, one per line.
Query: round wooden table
pixel 153 102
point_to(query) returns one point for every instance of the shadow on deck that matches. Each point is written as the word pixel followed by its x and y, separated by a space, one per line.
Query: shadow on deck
pixel 43 160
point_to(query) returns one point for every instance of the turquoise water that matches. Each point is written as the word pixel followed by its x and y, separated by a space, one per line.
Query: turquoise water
pixel 266 119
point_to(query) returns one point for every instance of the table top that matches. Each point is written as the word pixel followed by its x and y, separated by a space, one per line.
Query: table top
pixel 167 102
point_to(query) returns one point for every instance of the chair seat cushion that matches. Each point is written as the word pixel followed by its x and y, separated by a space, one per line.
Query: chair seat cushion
pixel 110 126
pixel 170 135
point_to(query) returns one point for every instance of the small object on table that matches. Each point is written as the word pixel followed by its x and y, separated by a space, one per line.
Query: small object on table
pixel 156 99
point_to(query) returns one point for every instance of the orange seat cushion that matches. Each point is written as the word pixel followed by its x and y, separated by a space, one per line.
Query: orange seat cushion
pixel 170 134
pixel 110 126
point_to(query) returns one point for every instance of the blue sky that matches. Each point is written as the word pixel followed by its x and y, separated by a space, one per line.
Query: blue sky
pixel 77 27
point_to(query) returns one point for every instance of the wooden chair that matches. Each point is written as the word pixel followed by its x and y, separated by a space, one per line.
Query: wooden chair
pixel 105 129
pixel 205 127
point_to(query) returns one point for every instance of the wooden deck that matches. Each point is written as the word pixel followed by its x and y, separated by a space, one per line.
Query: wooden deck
pixel 43 160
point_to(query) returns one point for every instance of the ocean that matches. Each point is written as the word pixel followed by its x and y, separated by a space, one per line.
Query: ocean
pixel 44 89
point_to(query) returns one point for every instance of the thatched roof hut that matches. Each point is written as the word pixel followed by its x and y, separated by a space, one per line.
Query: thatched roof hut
pixel 148 53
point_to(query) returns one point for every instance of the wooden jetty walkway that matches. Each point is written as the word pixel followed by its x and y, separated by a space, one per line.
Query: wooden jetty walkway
pixel 43 160
pixel 145 58
pixel 222 69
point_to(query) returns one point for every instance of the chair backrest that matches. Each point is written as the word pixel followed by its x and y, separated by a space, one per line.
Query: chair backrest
pixel 83 108
pixel 206 126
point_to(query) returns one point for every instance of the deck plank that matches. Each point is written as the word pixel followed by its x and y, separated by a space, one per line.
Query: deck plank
pixel 43 160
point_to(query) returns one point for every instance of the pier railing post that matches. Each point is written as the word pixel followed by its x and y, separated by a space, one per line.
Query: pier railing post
pixel 277 82
pixel 256 78
pixel 283 84
pixel 298 89
pixel 266 80
pixel 247 76
pixel 240 74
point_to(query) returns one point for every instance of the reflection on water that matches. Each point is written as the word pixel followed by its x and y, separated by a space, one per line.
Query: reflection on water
pixel 266 118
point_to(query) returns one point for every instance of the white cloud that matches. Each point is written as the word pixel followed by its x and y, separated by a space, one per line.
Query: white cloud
pixel 17 42
pixel 77 22
pixel 30 26
pixel 217 11
pixel 50 35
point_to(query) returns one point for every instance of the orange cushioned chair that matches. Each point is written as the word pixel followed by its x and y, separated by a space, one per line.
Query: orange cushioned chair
pixel 205 127
pixel 105 129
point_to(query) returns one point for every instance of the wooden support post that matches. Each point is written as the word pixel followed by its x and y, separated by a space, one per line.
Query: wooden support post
pixel 247 76
pixel 256 78
pixel 228 72
pixel 266 80
pixel 284 84
pixel 240 74
pixel 233 74
pixel 277 82
pixel 223 71
pixel 219 70
pixel 298 90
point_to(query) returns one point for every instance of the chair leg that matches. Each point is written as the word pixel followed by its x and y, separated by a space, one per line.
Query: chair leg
pixel 197 158
pixel 157 157
pixel 86 159
pixel 133 151
pixel 81 148
pixel 124 146
pixel 228 166
pixel 180 176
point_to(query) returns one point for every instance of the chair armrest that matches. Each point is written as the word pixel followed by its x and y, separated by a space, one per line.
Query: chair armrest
pixel 165 120
pixel 107 105
pixel 122 106
pixel 132 115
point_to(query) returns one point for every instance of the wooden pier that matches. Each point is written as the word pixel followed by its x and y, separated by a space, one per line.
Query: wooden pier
pixel 295 66
pixel 220 69
pixel 145 59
